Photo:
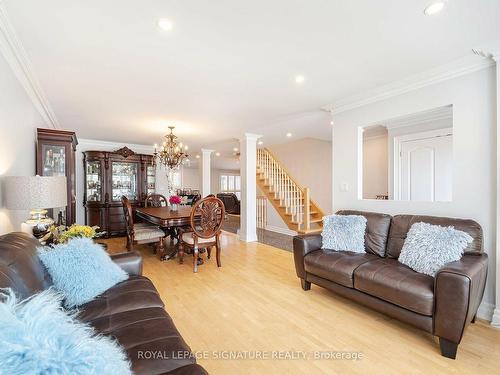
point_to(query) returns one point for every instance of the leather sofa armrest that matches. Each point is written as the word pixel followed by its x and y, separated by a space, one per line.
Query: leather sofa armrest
pixel 130 262
pixel 303 245
pixel 458 291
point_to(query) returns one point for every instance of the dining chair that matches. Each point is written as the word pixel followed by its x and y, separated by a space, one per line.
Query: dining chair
pixel 155 200
pixel 140 233
pixel 206 222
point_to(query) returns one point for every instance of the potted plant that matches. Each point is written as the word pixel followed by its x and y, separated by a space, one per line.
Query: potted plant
pixel 174 201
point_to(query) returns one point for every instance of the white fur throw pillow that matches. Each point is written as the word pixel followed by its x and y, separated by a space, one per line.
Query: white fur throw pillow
pixel 429 247
pixel 344 233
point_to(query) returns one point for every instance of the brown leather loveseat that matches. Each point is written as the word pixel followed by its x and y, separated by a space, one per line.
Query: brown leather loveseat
pixel 442 305
pixel 132 311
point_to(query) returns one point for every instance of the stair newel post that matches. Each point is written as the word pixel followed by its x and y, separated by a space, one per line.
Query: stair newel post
pixel 307 209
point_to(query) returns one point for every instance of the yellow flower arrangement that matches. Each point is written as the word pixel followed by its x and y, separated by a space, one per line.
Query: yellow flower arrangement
pixel 62 234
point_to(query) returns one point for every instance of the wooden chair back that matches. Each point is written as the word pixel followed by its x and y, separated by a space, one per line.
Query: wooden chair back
pixel 156 200
pixel 129 215
pixel 211 217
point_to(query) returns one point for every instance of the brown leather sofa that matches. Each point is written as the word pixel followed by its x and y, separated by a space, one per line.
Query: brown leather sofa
pixel 442 305
pixel 132 311
pixel 231 202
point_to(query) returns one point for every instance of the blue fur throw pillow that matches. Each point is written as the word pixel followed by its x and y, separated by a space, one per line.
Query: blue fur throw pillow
pixel 344 233
pixel 429 247
pixel 38 337
pixel 80 270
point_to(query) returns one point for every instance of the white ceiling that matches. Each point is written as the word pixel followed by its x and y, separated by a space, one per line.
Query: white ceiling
pixel 228 66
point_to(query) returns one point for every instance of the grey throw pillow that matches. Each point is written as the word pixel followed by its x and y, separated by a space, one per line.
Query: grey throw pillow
pixel 344 233
pixel 429 247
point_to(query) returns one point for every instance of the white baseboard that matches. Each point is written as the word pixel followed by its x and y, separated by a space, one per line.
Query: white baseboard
pixel 485 311
pixel 286 231
pixel 495 319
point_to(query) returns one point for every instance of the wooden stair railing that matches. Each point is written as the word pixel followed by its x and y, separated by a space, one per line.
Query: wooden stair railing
pixel 292 201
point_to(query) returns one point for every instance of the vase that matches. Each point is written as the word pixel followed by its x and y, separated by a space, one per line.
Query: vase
pixel 174 207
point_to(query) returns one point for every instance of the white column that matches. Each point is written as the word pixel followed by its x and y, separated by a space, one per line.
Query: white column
pixel 496 313
pixel 205 167
pixel 248 163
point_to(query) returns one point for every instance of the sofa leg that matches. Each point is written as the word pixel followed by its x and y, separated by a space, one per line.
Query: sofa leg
pixel 306 285
pixel 473 319
pixel 448 348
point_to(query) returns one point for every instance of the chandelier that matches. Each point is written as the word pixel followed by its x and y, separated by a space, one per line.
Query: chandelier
pixel 172 153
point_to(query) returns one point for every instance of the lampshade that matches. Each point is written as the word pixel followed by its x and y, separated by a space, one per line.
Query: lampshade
pixel 34 192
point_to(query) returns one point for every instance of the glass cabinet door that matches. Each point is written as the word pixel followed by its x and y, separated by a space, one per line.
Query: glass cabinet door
pixel 54 160
pixel 124 180
pixel 151 179
pixel 94 181
pixel 54 164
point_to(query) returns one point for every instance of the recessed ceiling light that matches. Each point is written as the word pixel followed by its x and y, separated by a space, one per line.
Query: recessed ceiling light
pixel 299 79
pixel 235 149
pixel 165 24
pixel 288 135
pixel 331 122
pixel 197 156
pixel 434 8
pixel 217 154
pixel 260 143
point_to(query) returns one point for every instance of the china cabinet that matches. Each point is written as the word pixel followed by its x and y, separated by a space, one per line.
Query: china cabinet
pixel 108 177
pixel 55 156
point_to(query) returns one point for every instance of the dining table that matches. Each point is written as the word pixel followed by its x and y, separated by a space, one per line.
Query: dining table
pixel 168 220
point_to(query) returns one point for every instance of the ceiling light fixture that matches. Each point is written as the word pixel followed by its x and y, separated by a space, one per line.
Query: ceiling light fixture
pixel 172 153
pixel 260 143
pixel 165 24
pixel 434 8
pixel 299 79
pixel 235 149
pixel 288 135
pixel 217 154
pixel 197 156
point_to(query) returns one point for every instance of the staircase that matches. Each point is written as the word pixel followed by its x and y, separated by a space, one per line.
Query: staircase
pixel 292 201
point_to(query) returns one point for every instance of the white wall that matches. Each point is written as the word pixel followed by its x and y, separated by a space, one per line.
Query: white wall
pixel 191 178
pixel 18 122
pixel 375 166
pixel 309 161
pixel 474 151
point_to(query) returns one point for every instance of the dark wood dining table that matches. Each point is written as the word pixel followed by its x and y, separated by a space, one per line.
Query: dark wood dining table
pixel 168 220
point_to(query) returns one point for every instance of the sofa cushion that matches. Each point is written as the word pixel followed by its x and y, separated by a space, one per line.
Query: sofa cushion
pixel 132 294
pixel 149 337
pixel 81 269
pixel 401 224
pixel 20 267
pixel 336 266
pixel 377 230
pixel 396 283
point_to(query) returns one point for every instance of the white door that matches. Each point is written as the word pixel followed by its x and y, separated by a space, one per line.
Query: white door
pixel 426 169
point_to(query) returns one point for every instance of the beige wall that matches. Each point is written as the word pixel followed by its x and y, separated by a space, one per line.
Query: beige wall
pixel 474 155
pixel 191 178
pixel 309 161
pixel 18 121
pixel 375 166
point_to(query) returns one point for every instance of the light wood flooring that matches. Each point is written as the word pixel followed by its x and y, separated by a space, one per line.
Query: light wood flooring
pixel 255 303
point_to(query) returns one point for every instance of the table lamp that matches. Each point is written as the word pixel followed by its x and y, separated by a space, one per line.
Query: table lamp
pixel 36 193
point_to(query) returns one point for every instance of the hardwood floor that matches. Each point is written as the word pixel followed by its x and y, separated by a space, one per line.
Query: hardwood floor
pixel 255 303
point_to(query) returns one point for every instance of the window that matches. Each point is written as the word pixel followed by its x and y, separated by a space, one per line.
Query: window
pixel 230 183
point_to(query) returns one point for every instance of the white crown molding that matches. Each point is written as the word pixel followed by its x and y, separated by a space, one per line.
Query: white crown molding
pixel 442 113
pixel 16 57
pixel 85 144
pixel 457 68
